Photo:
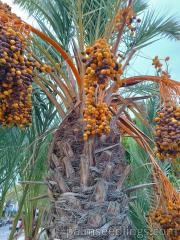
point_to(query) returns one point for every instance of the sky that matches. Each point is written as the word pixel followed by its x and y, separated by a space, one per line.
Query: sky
pixel 162 48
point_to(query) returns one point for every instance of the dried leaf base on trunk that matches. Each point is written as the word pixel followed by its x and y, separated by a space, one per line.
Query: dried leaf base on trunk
pixel 85 182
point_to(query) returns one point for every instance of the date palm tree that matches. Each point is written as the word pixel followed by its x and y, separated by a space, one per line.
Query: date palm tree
pixel 86 175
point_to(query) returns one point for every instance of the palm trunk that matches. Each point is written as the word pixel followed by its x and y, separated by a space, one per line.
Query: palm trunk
pixel 85 180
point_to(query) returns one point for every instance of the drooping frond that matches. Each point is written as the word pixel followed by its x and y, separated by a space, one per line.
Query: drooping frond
pixel 140 5
pixel 169 89
pixel 153 26
pixel 30 6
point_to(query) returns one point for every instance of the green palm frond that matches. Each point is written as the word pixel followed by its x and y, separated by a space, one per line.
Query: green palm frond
pixel 154 26
pixel 55 22
pixel 52 17
pixel 31 5
pixel 96 17
pixel 10 159
pixel 140 5
pixel 32 152
pixel 143 88
pixel 138 217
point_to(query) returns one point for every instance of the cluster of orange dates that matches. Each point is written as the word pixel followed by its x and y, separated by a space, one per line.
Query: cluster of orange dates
pixel 157 64
pixel 126 16
pixel 168 219
pixel 101 68
pixel 168 133
pixel 16 73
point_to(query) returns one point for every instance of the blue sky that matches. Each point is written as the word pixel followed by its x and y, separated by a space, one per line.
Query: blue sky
pixel 162 48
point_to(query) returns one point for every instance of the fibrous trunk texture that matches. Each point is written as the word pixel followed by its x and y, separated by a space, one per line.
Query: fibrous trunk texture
pixel 85 181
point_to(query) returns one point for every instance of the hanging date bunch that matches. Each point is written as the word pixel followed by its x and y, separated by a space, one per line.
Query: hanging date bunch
pixel 126 17
pixel 101 68
pixel 167 131
pixel 168 219
pixel 16 70
pixel 167 215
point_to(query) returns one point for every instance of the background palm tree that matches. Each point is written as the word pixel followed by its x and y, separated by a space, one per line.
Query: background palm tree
pixel 84 179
